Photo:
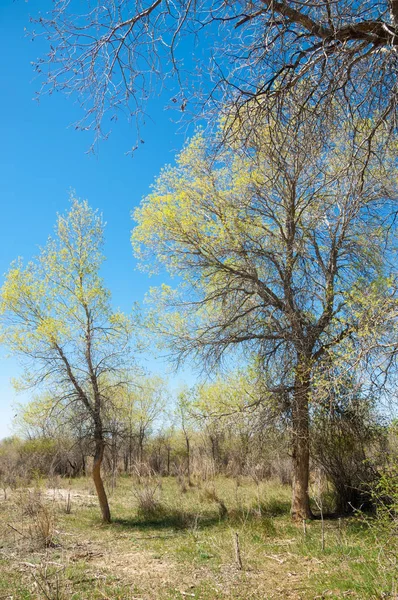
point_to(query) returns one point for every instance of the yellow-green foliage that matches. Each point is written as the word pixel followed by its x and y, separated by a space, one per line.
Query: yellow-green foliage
pixel 56 315
pixel 44 299
pixel 293 225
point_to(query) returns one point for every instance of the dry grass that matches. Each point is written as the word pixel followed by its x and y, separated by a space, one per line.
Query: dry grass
pixel 146 492
pixel 33 518
pixel 186 550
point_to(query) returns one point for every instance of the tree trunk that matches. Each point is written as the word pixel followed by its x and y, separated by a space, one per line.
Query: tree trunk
pixel 213 448
pixel 301 452
pixel 99 485
pixel 115 457
pixel 131 448
pixel 141 437
pixel 188 447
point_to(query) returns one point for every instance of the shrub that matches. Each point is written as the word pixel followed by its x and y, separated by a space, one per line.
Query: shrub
pixel 210 495
pixel 146 491
pixel 385 498
pixel 343 445
pixel 40 523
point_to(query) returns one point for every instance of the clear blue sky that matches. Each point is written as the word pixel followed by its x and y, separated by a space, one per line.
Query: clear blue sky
pixel 42 158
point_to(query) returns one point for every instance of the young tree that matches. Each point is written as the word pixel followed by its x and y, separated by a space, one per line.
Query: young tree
pixel 271 243
pixel 141 403
pixel 38 418
pixel 236 409
pixel 116 54
pixel 183 414
pixel 149 403
pixel 56 316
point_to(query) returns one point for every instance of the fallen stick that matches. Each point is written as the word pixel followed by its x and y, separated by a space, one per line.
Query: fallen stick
pixel 279 560
pixel 237 551
pixel 15 529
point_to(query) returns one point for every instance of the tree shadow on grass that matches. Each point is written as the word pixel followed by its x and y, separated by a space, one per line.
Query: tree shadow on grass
pixel 172 518
pixel 169 519
pixel 267 510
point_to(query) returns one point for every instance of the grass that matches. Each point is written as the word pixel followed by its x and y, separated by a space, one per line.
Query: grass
pixel 184 547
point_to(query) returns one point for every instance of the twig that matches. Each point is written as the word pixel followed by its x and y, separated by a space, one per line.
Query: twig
pixel 237 551
pixel 279 560
pixel 153 537
pixel 15 529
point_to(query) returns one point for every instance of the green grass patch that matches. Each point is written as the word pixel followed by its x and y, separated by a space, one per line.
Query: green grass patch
pixel 186 548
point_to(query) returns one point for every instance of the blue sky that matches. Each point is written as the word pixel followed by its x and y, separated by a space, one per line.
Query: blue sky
pixel 42 158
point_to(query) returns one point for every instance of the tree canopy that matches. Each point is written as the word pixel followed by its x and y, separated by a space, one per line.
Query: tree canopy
pixel 275 245
pixel 56 316
pixel 115 55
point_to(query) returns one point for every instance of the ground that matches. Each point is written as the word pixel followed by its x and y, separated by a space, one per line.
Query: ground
pixel 172 541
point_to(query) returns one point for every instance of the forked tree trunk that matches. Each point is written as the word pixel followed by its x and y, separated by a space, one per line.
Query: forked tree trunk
pixel 301 443
pixel 99 484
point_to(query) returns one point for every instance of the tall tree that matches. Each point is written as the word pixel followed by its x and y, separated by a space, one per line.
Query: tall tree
pixel 115 54
pixel 56 316
pixel 272 244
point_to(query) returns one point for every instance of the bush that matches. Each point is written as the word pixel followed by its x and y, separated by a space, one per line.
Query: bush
pixel 385 499
pixel 38 517
pixel 146 491
pixel 344 444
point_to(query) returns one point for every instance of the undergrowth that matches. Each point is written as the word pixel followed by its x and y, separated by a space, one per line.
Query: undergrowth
pixel 165 543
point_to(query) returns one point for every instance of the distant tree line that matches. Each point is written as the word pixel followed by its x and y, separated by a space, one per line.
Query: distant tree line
pixel 350 443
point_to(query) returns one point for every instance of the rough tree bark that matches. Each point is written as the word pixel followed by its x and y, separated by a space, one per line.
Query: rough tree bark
pixel 301 447
pixel 99 484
